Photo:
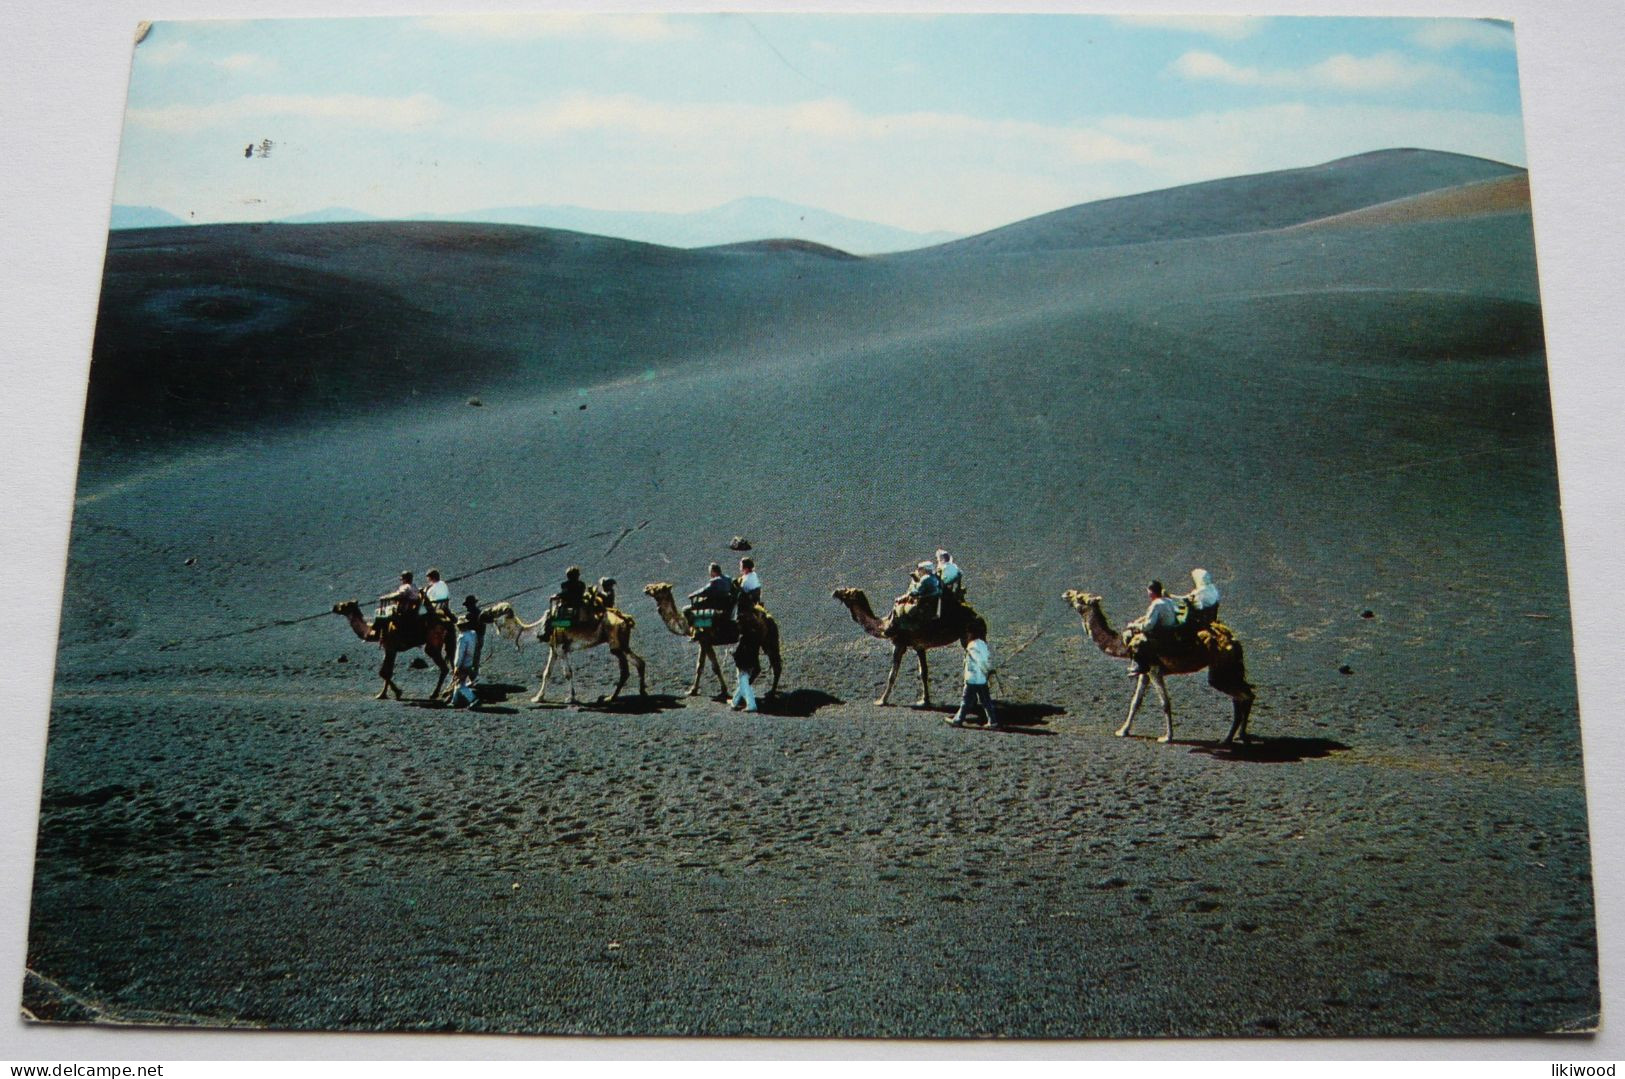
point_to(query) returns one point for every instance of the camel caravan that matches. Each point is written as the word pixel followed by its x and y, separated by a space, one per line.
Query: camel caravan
pixel 1178 634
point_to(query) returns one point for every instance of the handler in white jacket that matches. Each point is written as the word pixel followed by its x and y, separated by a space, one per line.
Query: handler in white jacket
pixel 978 665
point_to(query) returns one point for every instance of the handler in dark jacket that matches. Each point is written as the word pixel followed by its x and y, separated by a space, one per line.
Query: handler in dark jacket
pixel 748 663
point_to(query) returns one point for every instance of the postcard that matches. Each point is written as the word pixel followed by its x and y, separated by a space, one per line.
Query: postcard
pixel 856 526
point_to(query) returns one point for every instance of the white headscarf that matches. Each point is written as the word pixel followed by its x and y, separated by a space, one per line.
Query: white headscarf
pixel 1205 595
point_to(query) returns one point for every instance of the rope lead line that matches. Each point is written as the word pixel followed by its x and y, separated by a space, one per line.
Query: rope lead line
pixel 170 646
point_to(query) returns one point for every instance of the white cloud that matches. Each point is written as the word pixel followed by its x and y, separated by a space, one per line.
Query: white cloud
pixel 519 27
pixel 1382 72
pixel 920 170
pixel 1242 141
pixel 342 110
pixel 929 170
pixel 162 53
pixel 1224 27
pixel 246 63
pixel 1464 33
pixel 826 121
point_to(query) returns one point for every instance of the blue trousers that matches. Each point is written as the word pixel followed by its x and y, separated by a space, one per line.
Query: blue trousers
pixel 977 697
pixel 745 694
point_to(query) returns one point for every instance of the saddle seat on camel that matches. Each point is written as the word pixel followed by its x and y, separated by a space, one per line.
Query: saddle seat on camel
pixel 584 616
pixel 1195 629
pixel 915 612
pixel 392 618
pixel 718 623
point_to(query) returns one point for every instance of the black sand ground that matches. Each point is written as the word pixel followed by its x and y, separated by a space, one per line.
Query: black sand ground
pixel 1347 425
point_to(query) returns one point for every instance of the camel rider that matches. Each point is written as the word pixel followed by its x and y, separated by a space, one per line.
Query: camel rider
pixel 748 585
pixel 716 595
pixel 600 597
pixel 953 581
pixel 438 597
pixel 1151 629
pixel 400 604
pixel 1201 602
pixel 920 603
pixel 567 602
pixel 572 590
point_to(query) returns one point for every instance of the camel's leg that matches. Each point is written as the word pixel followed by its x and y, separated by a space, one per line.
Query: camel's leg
pixel 1243 708
pixel 1161 686
pixel 570 675
pixel 620 658
pixel 1233 684
pixel 699 671
pixel 770 645
pixel 386 672
pixel 925 682
pixel 643 690
pixel 1134 704
pixel 546 670
pixel 439 661
pixel 716 666
pixel 891 679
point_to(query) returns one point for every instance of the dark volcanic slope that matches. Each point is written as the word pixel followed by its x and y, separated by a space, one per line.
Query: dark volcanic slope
pixel 1349 426
pixel 1239 204
pixel 247 326
pixel 240 327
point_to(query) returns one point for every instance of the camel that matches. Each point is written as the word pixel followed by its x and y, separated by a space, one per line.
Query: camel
pixel 613 629
pixel 710 639
pixel 430 634
pixel 1215 650
pixel 959 620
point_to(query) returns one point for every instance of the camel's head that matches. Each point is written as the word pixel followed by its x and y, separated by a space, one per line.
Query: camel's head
pixel 507 622
pixel 347 608
pixel 1081 601
pixel 847 595
pixel 654 590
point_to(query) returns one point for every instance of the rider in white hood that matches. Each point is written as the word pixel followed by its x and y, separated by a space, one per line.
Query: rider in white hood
pixel 1205 594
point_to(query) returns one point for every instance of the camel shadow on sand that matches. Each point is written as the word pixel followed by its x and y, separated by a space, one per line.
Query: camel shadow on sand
pixel 796 704
pixel 631 705
pixel 1268 750
pixel 489 700
pixel 1015 717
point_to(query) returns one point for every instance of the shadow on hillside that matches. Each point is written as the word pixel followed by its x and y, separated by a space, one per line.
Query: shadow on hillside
pixel 797 703
pixel 1269 750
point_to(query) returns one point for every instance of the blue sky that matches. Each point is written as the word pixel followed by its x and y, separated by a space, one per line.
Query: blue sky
pixel 956 122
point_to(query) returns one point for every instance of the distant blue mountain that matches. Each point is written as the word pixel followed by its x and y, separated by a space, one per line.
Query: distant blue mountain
pixel 142 217
pixel 327 216
pixel 740 221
